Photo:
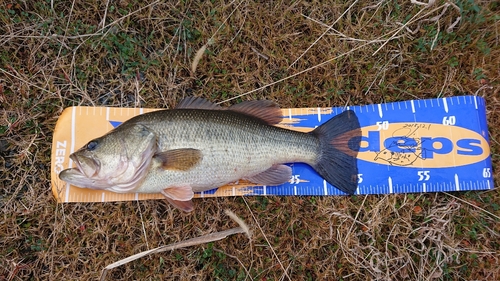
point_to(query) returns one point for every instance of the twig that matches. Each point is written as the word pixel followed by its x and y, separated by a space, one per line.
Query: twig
pixel 210 41
pixel 105 14
pixel 268 243
pixel 323 34
pixel 243 228
pixel 21 79
pixel 299 73
pixel 356 217
pixel 472 205
pixel 142 222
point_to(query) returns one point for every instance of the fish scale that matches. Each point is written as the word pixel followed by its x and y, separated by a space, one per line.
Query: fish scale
pixel 224 137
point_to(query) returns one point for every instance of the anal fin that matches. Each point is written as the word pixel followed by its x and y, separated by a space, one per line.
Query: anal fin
pixel 276 175
pixel 185 206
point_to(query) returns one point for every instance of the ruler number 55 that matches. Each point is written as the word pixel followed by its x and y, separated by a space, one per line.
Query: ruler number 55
pixel 423 175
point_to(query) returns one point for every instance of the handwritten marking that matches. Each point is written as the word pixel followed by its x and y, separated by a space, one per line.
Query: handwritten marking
pixel 410 147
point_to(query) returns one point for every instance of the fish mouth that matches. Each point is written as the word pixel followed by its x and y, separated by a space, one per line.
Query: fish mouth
pixel 74 177
pixel 83 174
pixel 87 166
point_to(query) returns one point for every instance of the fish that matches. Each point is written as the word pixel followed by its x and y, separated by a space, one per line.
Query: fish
pixel 199 145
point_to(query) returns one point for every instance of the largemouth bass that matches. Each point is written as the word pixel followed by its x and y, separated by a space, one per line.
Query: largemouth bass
pixel 199 146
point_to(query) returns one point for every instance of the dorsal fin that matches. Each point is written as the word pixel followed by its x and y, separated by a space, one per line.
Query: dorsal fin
pixel 198 103
pixel 265 110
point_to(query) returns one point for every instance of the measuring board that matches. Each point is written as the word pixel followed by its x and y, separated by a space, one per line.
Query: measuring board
pixel 412 146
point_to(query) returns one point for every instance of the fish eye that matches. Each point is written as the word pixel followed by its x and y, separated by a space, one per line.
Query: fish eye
pixel 91 145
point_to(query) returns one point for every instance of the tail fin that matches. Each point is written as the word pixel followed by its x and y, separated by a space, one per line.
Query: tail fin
pixel 339 143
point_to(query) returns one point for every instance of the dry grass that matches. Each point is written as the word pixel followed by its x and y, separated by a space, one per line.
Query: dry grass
pixel 140 53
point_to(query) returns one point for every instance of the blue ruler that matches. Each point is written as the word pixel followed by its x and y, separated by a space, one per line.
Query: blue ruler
pixel 427 145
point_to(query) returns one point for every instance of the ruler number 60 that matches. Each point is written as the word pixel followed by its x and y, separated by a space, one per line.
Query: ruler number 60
pixel 423 175
pixel 449 120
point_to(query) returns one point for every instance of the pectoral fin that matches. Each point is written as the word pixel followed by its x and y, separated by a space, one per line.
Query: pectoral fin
pixel 180 197
pixel 276 175
pixel 181 159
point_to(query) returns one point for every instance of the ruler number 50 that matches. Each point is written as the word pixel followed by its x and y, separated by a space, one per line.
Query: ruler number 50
pixel 423 175
pixel 449 120
pixel 382 125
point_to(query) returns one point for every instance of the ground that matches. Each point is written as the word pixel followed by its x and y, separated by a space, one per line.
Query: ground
pixel 55 54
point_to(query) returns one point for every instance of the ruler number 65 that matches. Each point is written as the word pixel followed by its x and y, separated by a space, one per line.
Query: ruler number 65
pixel 486 173
pixel 423 175
pixel 449 120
